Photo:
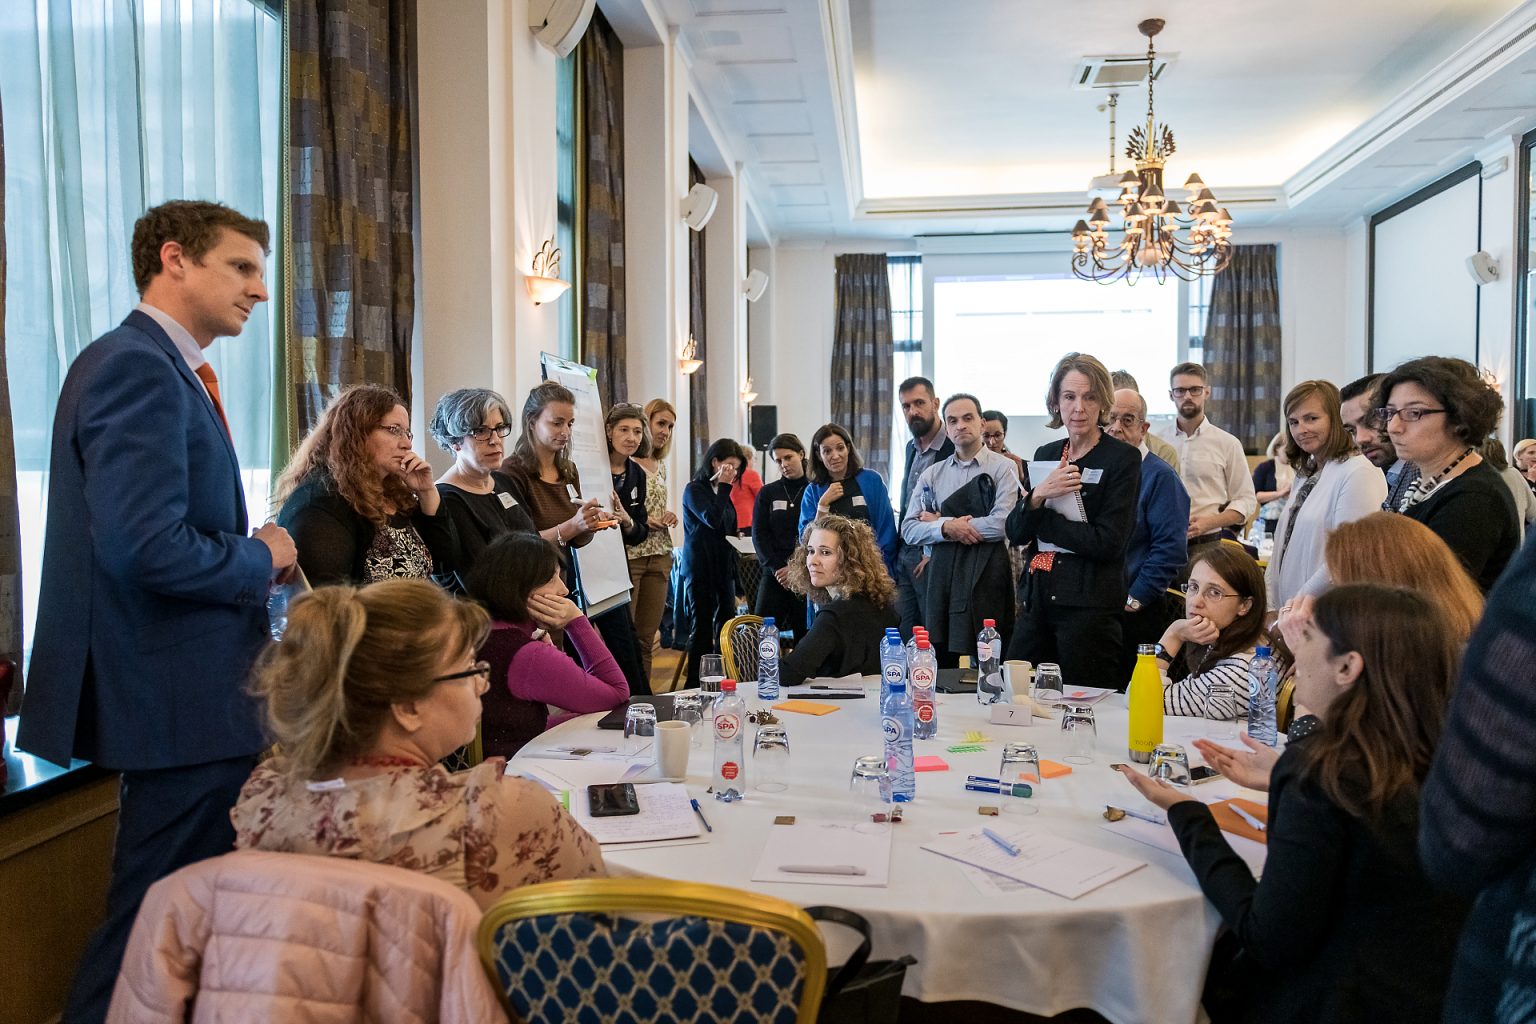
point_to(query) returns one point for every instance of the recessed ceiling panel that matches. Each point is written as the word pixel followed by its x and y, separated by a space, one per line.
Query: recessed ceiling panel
pixel 723 8
pixel 775 117
pixel 789 174
pixel 764 81
pixel 784 147
pixel 800 195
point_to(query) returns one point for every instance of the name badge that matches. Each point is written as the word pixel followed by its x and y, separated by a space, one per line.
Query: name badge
pixel 858 499
pixel 571 490
pixel 781 506
pixel 1092 476
pixel 634 493
pixel 507 501
pixel 326 785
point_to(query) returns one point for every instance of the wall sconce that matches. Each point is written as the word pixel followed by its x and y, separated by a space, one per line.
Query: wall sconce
pixel 748 393
pixel 690 360
pixel 545 284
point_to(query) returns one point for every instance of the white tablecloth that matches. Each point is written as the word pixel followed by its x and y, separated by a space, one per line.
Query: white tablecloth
pixel 1134 950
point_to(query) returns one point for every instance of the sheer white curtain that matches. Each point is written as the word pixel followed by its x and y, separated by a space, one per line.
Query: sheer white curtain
pixel 113 106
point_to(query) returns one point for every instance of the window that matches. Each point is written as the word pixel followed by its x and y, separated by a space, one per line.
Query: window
pixel 1522 390
pixel 906 274
pixel 566 205
pixel 161 99
pixel 1199 310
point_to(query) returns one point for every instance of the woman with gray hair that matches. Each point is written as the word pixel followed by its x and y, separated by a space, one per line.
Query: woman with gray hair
pixel 473 424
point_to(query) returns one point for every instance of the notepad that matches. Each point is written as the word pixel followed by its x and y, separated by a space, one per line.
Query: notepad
pixel 665 813
pixel 1049 769
pixel 930 763
pixel 1044 860
pixel 865 845
pixel 1233 823
pixel 806 707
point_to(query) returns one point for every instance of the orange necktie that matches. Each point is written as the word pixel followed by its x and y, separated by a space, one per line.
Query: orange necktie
pixel 211 382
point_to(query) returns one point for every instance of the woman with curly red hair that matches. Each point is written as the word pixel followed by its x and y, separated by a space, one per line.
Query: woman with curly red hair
pixel 360 504
pixel 839 566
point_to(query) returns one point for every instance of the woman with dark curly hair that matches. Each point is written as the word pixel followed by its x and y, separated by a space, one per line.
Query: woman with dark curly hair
pixel 1438 411
pixel 360 504
pixel 839 566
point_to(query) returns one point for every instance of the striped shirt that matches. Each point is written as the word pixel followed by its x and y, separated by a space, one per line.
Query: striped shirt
pixel 1191 695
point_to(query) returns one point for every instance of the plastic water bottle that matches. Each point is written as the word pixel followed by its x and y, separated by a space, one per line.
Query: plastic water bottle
pixel 924 673
pixel 768 660
pixel 900 786
pixel 918 633
pixel 1261 697
pixel 989 664
pixel 893 663
pixel 730 746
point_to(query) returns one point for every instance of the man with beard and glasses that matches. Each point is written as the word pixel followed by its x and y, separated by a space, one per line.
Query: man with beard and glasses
pixel 1359 411
pixel 929 445
pixel 1211 461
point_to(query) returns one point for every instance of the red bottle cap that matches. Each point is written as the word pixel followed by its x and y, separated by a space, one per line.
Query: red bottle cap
pixel 989 623
pixel 727 686
pixel 923 644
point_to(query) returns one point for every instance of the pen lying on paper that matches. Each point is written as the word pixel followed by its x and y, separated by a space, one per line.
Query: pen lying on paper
pixel 823 869
pixel 1250 819
pixel 1007 847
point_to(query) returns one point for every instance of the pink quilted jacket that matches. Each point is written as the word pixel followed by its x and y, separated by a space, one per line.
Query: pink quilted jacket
pixel 256 936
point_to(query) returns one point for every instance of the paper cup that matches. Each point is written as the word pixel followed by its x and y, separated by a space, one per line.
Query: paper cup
pixel 673 740
pixel 1017 675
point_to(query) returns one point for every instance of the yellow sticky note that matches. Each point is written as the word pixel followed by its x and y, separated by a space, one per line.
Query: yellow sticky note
pixel 806 707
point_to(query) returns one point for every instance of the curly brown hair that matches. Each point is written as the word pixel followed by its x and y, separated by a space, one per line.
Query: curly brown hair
pixel 1472 406
pixel 862 564
pixel 197 225
pixel 337 447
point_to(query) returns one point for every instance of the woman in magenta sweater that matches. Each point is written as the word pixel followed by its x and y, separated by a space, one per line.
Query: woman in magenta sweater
pixel 517 579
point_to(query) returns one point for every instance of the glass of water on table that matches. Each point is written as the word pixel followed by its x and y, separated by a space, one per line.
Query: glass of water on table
pixel 711 675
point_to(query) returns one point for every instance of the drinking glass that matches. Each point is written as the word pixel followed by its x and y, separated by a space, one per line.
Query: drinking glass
pixel 711 673
pixel 1080 732
pixel 1219 708
pixel 770 759
pixel 867 784
pixel 1170 762
pixel 689 707
pixel 1020 763
pixel 639 727
pixel 1048 685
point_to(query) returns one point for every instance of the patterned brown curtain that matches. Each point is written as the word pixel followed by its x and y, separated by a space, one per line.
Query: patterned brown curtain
pixel 352 191
pixel 698 382
pixel 1242 347
pixel 600 60
pixel 10 517
pixel 863 356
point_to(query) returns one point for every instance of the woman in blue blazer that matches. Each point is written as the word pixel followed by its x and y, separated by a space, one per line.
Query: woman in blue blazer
pixel 841 486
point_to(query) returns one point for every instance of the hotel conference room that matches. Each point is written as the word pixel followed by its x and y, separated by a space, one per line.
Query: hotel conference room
pixel 767 511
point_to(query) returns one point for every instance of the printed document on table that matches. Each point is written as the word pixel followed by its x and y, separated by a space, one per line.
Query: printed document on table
pixel 866 845
pixel 573 774
pixel 1068 505
pixel 1162 837
pixel 665 813
pixel 1045 861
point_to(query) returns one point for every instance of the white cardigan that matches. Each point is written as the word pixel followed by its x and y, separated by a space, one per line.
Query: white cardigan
pixel 1345 491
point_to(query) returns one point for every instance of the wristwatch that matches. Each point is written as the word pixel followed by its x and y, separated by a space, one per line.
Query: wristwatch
pixel 1132 604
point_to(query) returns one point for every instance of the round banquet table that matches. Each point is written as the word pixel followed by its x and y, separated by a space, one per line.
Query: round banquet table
pixel 1134 950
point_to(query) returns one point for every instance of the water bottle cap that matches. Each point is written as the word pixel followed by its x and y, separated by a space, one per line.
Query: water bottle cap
pixel 923 644
pixel 989 623
pixel 1261 651
pixel 727 686
pixel 768 621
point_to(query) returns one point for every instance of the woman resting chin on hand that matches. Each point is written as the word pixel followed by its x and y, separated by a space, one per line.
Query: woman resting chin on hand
pixel 1207 652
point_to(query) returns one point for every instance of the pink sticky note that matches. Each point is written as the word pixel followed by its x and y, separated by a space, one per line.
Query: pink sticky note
pixel 929 763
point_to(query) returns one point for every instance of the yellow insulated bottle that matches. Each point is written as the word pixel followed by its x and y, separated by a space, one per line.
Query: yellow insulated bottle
pixel 1144 698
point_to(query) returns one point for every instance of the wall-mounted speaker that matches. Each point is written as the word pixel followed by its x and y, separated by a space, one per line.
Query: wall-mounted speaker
pixel 755 285
pixel 560 24
pixel 699 206
pixel 762 425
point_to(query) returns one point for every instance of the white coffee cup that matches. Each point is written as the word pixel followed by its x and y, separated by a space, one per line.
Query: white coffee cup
pixel 673 740
pixel 1016 674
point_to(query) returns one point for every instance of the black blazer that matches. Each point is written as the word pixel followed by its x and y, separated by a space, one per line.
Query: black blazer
pixel 630 487
pixel 1343 927
pixel 333 539
pixel 1475 515
pixel 1093 576
pixel 773 527
pixel 845 638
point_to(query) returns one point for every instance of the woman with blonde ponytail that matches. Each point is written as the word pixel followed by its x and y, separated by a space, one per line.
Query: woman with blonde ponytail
pixel 370 688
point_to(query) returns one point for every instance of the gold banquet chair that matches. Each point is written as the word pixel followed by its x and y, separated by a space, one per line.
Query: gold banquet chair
pixel 622 950
pixel 738 647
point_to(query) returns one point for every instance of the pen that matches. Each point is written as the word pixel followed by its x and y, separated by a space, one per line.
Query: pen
pixel 1250 819
pixel 983 778
pixel 700 813
pixel 1008 848
pixel 838 696
pixel 1138 815
pixel 1019 788
pixel 823 869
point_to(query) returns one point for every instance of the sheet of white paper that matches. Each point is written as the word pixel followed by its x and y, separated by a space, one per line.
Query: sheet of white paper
pixel 665 813
pixel 1162 837
pixel 1083 695
pixel 1046 861
pixel 989 884
pixel 569 774
pixel 865 845
pixel 1068 505
pixel 743 545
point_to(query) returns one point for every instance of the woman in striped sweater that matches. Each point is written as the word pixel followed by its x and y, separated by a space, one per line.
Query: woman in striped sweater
pixel 1214 641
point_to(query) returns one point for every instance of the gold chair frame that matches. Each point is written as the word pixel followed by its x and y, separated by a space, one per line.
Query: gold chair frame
pixel 728 648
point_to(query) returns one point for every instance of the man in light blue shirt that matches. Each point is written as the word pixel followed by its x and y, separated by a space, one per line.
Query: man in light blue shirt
pixel 959 510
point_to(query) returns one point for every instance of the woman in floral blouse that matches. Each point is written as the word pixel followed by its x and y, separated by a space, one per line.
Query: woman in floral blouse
pixel 369 689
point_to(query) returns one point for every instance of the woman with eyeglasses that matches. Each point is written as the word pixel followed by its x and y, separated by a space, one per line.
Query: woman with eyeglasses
pixel 1438 411
pixel 1342 926
pixel 517 579
pixel 369 690
pixel 1206 652
pixel 473 424
pixel 360 504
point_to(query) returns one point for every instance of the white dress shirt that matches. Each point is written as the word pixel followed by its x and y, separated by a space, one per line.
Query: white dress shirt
pixel 1214 470
pixel 945 478
pixel 190 350
pixel 1345 491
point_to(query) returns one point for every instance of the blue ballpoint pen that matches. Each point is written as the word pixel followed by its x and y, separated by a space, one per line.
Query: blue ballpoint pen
pixel 1019 788
pixel 697 810
pixel 1008 848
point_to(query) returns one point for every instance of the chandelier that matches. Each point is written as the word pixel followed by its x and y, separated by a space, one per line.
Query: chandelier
pixel 1158 236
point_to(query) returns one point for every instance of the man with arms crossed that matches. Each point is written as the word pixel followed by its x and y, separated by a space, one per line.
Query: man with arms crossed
pixel 1358 409
pixel 1211 461
pixel 929 444
pixel 152 606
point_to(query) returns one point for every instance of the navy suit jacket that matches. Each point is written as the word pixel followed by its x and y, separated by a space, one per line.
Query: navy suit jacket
pixel 152 604
pixel 1159 543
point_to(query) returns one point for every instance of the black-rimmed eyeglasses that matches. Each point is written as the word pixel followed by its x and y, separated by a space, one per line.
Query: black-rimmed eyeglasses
pixel 1412 414
pixel 482 670
pixel 484 433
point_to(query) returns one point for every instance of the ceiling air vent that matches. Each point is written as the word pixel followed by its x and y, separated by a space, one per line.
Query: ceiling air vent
pixel 1118 71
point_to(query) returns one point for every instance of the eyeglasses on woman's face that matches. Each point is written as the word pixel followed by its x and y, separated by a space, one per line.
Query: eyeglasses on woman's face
pixel 483 433
pixel 480 673
pixel 1212 594
pixel 1412 414
pixel 397 432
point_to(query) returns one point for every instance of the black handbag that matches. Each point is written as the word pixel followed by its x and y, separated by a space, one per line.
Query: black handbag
pixel 861 990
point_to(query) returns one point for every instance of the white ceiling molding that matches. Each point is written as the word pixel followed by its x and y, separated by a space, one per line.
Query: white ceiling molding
pixel 837 38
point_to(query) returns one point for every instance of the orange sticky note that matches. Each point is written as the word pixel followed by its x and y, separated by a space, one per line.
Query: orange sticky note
pixel 930 763
pixel 1050 769
pixel 806 707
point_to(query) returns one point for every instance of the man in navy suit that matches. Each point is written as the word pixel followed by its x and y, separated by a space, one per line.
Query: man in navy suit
pixel 152 605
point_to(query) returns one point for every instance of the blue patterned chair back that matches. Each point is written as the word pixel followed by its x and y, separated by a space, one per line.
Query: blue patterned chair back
pixel 619 950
